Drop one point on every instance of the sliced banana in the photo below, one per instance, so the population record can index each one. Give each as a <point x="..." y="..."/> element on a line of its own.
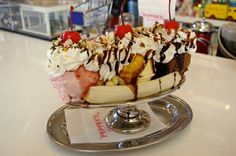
<point x="110" y="94"/>
<point x="147" y="73"/>
<point x="158" y="85"/>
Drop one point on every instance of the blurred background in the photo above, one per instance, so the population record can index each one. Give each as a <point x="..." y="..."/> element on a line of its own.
<point x="212" y="20"/>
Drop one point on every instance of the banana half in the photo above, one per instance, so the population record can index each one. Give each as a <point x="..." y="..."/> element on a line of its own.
<point x="121" y="93"/>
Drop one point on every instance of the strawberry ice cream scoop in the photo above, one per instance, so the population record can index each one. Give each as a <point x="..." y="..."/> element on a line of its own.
<point x="72" y="86"/>
<point x="86" y="78"/>
<point x="68" y="86"/>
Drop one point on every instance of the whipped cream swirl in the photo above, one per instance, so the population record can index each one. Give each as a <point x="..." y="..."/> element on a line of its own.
<point x="108" y="54"/>
<point x="61" y="58"/>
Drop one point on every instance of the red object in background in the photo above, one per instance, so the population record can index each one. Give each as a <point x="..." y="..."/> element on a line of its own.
<point x="203" y="42"/>
<point x="114" y="20"/>
<point x="203" y="30"/>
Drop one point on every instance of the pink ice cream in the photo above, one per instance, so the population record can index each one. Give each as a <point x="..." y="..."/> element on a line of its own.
<point x="87" y="78"/>
<point x="72" y="86"/>
<point x="68" y="87"/>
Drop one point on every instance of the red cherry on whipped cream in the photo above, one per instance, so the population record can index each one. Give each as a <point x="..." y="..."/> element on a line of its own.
<point x="172" y="24"/>
<point x="73" y="35"/>
<point x="121" y="30"/>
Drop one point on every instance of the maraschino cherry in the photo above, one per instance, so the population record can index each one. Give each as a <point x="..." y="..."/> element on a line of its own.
<point x="171" y="24"/>
<point x="123" y="29"/>
<point x="73" y="35"/>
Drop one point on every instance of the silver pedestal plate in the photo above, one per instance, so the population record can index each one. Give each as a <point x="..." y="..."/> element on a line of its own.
<point x="126" y="118"/>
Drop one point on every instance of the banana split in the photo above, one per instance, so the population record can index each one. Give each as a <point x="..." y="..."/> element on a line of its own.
<point x="143" y="62"/>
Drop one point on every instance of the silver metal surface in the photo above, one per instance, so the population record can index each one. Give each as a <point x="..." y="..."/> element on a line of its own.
<point x="203" y="26"/>
<point x="222" y="47"/>
<point x="127" y="119"/>
<point x="172" y="111"/>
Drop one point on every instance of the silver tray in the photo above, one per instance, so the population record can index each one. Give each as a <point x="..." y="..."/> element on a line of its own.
<point x="171" y="110"/>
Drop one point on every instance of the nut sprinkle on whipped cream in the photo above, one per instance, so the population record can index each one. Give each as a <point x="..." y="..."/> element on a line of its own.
<point x="108" y="54"/>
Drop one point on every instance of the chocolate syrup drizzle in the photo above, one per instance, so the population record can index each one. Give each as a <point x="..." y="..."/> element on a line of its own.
<point x="160" y="68"/>
<point x="157" y="37"/>
<point x="174" y="81"/>
<point x="160" y="84"/>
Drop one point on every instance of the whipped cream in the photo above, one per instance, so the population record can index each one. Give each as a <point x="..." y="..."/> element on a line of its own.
<point x="55" y="64"/>
<point x="169" y="53"/>
<point x="107" y="54"/>
<point x="92" y="65"/>
<point x="61" y="59"/>
<point x="106" y="73"/>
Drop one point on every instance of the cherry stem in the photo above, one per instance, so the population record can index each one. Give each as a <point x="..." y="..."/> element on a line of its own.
<point x="121" y="11"/>
<point x="71" y="26"/>
<point x="169" y="10"/>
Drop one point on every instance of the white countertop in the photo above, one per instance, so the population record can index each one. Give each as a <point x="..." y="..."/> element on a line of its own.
<point x="28" y="99"/>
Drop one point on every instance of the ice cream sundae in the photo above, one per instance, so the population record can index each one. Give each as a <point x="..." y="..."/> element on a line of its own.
<point x="114" y="67"/>
<point x="128" y="64"/>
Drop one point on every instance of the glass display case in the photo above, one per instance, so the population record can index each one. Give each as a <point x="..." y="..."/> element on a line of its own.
<point x="43" y="19"/>
<point x="10" y="16"/>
